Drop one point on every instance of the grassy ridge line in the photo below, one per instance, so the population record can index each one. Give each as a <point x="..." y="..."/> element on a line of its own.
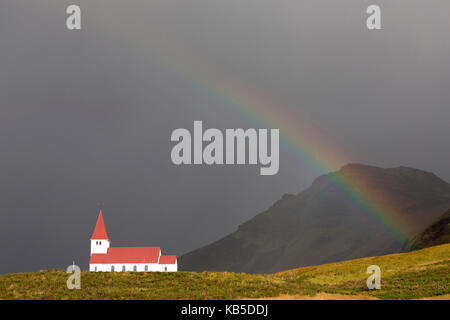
<point x="412" y="275"/>
<point x="418" y="274"/>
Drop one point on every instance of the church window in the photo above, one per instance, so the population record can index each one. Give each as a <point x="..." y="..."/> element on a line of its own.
<point x="165" y="268"/>
<point x="135" y="268"/>
<point x="112" y="268"/>
<point x="123" y="268"/>
<point x="146" y="268"/>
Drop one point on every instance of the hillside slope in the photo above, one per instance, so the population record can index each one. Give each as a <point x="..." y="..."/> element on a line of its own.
<point x="418" y="274"/>
<point x="322" y="224"/>
<point x="437" y="233"/>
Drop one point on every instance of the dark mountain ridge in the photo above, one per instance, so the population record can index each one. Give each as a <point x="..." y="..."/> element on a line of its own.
<point x="324" y="224"/>
<point x="436" y="234"/>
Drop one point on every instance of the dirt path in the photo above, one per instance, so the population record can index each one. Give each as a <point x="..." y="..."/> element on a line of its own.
<point x="322" y="296"/>
<point x="442" y="297"/>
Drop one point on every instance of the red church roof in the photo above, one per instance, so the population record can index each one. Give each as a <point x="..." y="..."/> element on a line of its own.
<point x="127" y="255"/>
<point x="167" y="259"/>
<point x="100" y="230"/>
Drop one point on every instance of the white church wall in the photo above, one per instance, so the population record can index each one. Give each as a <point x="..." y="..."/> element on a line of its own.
<point x="168" y="267"/>
<point x="99" y="246"/>
<point x="151" y="267"/>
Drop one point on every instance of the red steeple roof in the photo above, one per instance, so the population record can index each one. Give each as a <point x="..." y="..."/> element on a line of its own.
<point x="100" y="230"/>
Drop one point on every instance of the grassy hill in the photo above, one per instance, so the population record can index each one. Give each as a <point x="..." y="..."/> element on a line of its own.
<point x="419" y="274"/>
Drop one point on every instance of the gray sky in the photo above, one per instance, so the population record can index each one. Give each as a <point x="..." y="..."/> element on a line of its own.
<point x="86" y="116"/>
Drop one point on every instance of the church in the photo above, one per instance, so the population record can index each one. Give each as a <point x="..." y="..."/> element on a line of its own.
<point x="138" y="259"/>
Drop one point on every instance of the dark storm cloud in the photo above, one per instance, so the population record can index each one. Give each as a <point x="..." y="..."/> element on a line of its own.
<point x="86" y="116"/>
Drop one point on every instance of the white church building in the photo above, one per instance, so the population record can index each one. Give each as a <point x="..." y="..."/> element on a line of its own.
<point x="139" y="259"/>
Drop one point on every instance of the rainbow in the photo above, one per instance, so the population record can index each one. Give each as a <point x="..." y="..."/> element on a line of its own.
<point x="316" y="150"/>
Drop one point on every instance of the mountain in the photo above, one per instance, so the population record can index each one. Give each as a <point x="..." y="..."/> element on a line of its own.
<point x="436" y="234"/>
<point x="324" y="224"/>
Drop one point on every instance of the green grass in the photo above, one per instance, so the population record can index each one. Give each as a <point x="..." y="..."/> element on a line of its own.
<point x="418" y="274"/>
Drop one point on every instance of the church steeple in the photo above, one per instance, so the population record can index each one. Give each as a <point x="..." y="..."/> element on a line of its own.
<point x="100" y="229"/>
<point x="100" y="240"/>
